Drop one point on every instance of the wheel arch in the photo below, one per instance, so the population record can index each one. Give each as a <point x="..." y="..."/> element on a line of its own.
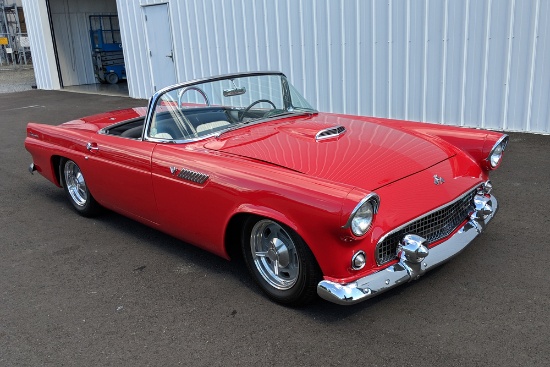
<point x="233" y="231"/>
<point x="56" y="169"/>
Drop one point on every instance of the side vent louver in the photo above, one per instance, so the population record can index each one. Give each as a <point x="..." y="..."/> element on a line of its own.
<point x="331" y="132"/>
<point x="193" y="176"/>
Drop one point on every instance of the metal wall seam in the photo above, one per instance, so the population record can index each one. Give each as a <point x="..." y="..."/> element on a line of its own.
<point x="342" y="65"/>
<point x="426" y="49"/>
<point x="358" y="64"/>
<point x="444" y="67"/>
<point x="541" y="108"/>
<point x="464" y="62"/>
<point x="407" y="58"/>
<point x="534" y="39"/>
<point x="390" y="57"/>
<point x="317" y="54"/>
<point x="508" y="64"/>
<point x="329" y="59"/>
<point x="486" y="62"/>
<point x="199" y="46"/>
<point x="373" y="66"/>
<point x="207" y="43"/>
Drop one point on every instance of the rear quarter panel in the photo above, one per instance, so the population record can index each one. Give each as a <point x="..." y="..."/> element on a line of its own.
<point x="44" y="142"/>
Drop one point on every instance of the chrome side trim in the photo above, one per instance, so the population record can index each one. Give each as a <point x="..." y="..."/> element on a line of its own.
<point x="331" y="132"/>
<point x="405" y="270"/>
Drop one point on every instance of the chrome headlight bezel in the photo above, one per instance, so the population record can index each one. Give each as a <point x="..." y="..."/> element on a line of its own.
<point x="372" y="200"/>
<point x="495" y="155"/>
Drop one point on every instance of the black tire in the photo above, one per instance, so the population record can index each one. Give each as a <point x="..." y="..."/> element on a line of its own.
<point x="295" y="281"/>
<point x="112" y="78"/>
<point x="76" y="190"/>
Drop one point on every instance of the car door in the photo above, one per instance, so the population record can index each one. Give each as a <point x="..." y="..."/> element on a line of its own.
<point x="191" y="203"/>
<point x="119" y="175"/>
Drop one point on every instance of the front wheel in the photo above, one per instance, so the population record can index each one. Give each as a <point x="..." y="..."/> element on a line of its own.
<point x="76" y="190"/>
<point x="280" y="262"/>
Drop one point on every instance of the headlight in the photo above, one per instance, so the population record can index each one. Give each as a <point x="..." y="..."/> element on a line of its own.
<point x="495" y="156"/>
<point x="361" y="217"/>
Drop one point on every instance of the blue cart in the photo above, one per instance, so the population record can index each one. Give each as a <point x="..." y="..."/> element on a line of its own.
<point x="107" y="56"/>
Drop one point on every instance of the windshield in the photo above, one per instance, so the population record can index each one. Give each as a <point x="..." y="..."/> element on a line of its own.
<point x="196" y="110"/>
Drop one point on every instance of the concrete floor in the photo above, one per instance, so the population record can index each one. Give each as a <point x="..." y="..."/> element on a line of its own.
<point x="109" y="291"/>
<point x="21" y="79"/>
<point x="117" y="90"/>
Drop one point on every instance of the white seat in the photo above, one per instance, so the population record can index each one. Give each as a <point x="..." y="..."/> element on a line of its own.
<point x="211" y="125"/>
<point x="162" y="136"/>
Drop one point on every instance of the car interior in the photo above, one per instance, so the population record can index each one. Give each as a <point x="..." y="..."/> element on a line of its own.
<point x="182" y="124"/>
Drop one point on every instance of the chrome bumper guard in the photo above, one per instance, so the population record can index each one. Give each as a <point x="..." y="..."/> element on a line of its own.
<point x="414" y="259"/>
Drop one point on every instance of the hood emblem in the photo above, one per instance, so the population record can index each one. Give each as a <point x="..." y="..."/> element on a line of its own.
<point x="173" y="170"/>
<point x="438" y="180"/>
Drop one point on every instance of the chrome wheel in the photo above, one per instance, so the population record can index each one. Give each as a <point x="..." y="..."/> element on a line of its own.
<point x="274" y="254"/>
<point x="75" y="184"/>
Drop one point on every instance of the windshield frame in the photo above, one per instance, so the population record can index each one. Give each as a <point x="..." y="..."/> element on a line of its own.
<point x="155" y="98"/>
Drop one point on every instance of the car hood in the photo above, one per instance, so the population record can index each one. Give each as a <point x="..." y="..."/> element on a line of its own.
<point x="368" y="154"/>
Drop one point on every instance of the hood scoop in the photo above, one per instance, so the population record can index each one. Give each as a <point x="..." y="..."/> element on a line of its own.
<point x="331" y="132"/>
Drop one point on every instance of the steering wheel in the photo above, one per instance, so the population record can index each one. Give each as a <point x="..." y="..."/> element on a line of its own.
<point x="243" y="112"/>
<point x="185" y="90"/>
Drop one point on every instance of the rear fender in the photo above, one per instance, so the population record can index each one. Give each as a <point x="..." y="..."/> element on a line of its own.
<point x="45" y="163"/>
<point x="48" y="144"/>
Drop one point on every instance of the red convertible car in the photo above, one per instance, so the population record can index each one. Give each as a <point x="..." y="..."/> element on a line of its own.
<point x="341" y="206"/>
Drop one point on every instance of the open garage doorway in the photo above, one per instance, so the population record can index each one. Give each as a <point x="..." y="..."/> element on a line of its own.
<point x="82" y="30"/>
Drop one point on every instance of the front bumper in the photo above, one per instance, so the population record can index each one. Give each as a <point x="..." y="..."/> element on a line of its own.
<point x="407" y="268"/>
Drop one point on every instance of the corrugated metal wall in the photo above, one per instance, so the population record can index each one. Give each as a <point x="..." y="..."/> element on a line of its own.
<point x="38" y="28"/>
<point x="478" y="63"/>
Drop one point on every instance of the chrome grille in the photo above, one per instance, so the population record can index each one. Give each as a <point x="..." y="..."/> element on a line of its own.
<point x="433" y="227"/>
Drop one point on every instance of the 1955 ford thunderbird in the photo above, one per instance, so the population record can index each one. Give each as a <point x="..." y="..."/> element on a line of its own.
<point x="341" y="206"/>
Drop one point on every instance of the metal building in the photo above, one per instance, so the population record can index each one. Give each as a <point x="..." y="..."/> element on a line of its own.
<point x="479" y="63"/>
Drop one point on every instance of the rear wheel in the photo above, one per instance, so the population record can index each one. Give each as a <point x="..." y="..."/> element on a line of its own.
<point x="280" y="262"/>
<point x="76" y="190"/>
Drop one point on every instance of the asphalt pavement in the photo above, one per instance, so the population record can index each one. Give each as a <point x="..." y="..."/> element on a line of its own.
<point x="109" y="291"/>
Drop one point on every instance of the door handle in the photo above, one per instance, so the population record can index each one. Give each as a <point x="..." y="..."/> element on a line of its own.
<point x="171" y="56"/>
<point x="92" y="147"/>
